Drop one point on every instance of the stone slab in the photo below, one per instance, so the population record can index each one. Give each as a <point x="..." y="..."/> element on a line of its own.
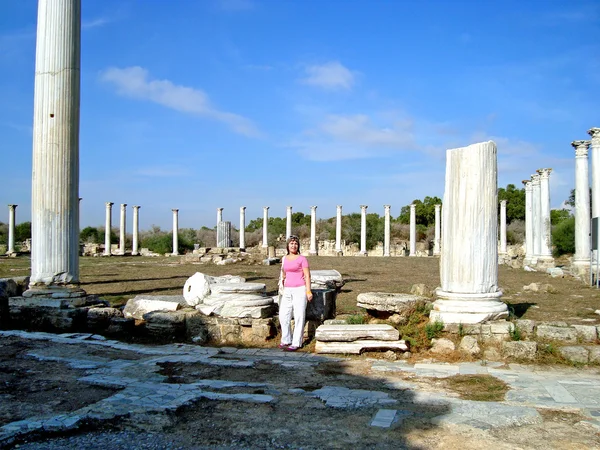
<point x="237" y="288"/>
<point x="143" y="304"/>
<point x="356" y="347"/>
<point x="322" y="306"/>
<point x="326" y="279"/>
<point x="385" y="301"/>
<point x="350" y="333"/>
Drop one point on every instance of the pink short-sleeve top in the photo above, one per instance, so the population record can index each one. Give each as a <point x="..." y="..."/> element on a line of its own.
<point x="294" y="275"/>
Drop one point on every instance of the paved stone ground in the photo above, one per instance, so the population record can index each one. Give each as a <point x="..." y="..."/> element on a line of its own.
<point x="148" y="397"/>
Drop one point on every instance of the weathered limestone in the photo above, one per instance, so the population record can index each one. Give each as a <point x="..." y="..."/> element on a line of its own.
<point x="413" y="231"/>
<point x="545" y="256"/>
<point x="359" y="346"/>
<point x="175" y="232"/>
<point x="326" y="279"/>
<point x="55" y="165"/>
<point x="136" y="231"/>
<point x="122" y="229"/>
<point x="581" y="259"/>
<point x="536" y="206"/>
<point x="219" y="220"/>
<point x="386" y="230"/>
<point x="107" y="228"/>
<point x="288" y="222"/>
<point x="363" y="230"/>
<point x="242" y="227"/>
<point x="197" y="287"/>
<point x="503" y="227"/>
<point x="338" y="230"/>
<point x="224" y="234"/>
<point x="529" y="247"/>
<point x="469" y="261"/>
<point x="349" y="333"/>
<point x="389" y="302"/>
<point x="219" y="215"/>
<point x="313" y="231"/>
<point x="265" y="243"/>
<point x="11" y="230"/>
<point x="436" y="241"/>
<point x="595" y="157"/>
<point x="142" y="304"/>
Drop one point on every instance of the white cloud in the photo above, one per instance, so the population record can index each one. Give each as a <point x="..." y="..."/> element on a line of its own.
<point x="95" y="23"/>
<point x="134" y="82"/>
<point x="331" y="75"/>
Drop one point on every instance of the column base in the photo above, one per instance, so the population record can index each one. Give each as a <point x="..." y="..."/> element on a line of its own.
<point x="312" y="253"/>
<point x="339" y="253"/>
<point x="363" y="253"/>
<point x="468" y="308"/>
<point x="69" y="296"/>
<point x="545" y="262"/>
<point x="135" y="253"/>
<point x="386" y="255"/>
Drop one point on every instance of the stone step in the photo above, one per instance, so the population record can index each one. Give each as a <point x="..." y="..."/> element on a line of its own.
<point x="349" y="333"/>
<point x="357" y="347"/>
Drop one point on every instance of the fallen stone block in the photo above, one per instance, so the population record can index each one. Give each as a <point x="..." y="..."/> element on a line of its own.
<point x="594" y="352"/>
<point x="469" y="345"/>
<point x="322" y="307"/>
<point x="350" y="333"/>
<point x="587" y="333"/>
<point x="356" y="347"/>
<point x="520" y="349"/>
<point x="575" y="353"/>
<point x="161" y="323"/>
<point x="441" y="346"/>
<point x="382" y="301"/>
<point x="143" y="304"/>
<point x="326" y="279"/>
<point x="99" y="318"/>
<point x="566" y="334"/>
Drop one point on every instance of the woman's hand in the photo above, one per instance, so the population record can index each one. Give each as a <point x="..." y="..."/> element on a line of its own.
<point x="309" y="295"/>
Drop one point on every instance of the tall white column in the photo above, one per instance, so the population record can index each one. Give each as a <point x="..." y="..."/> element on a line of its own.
<point x="338" y="230"/>
<point x="242" y="227"/>
<point x="107" y="228"/>
<point x="545" y="225"/>
<point x="363" y="230"/>
<point x="175" y="232"/>
<point x="436" y="239"/>
<point x="413" y="230"/>
<point x="386" y="230"/>
<point x="136" y="231"/>
<point x="55" y="163"/>
<point x="503" y="227"/>
<point x="265" y="227"/>
<point x="529" y="246"/>
<point x="288" y="222"/>
<point x="313" y="231"/>
<point x="582" y="204"/>
<point x="536" y="206"/>
<point x="469" y="261"/>
<point x="11" y="229"/>
<point x="122" y="229"/>
<point x="219" y="238"/>
<point x="219" y="215"/>
<point x="595" y="157"/>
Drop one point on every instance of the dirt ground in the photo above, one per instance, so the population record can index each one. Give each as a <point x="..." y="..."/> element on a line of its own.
<point x="120" y="278"/>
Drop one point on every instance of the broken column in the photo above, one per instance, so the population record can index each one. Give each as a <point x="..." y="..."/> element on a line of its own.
<point x="107" y="228"/>
<point x="219" y="220"/>
<point x="11" y="230"/>
<point x="581" y="260"/>
<point x="363" y="230"/>
<point x="413" y="231"/>
<point x="175" y="232"/>
<point x="55" y="164"/>
<point x="136" y="231"/>
<point x="469" y="261"/>
<point x="122" y="229"/>
<point x="224" y="233"/>
<point x="313" y="231"/>
<point x="386" y="230"/>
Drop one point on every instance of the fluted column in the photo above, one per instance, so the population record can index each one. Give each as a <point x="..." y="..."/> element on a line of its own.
<point x="175" y="232"/>
<point x="595" y="157"/>
<point x="219" y="238"/>
<point x="242" y="227"/>
<point x="436" y="239"/>
<point x="122" y="229"/>
<point x="107" y="228"/>
<point x="536" y="206"/>
<point x="55" y="163"/>
<point x="503" y="227"/>
<point x="582" y="204"/>
<point x="469" y="261"/>
<point x="338" y="230"/>
<point x="386" y="230"/>
<point x="136" y="231"/>
<point x="265" y="243"/>
<point x="413" y="230"/>
<point x="529" y="247"/>
<point x="313" y="231"/>
<point x="363" y="230"/>
<point x="288" y="222"/>
<point x="545" y="225"/>
<point x="219" y="215"/>
<point x="11" y="229"/>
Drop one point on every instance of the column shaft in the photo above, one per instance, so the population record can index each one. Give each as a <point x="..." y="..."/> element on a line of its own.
<point x="175" y="232"/>
<point x="582" y="203"/>
<point x="123" y="228"/>
<point x="265" y="243"/>
<point x="546" y="228"/>
<point x="338" y="229"/>
<point x="386" y="230"/>
<point x="363" y="230"/>
<point x="313" y="230"/>
<point x="503" y="227"/>
<point x="11" y="229"/>
<point x="288" y="222"/>
<point x="595" y="146"/>
<point x="436" y="240"/>
<point x="413" y="230"/>
<point x="136" y="231"/>
<point x="107" y="228"/>
<point x="243" y="227"/>
<point x="529" y="247"/>
<point x="536" y="207"/>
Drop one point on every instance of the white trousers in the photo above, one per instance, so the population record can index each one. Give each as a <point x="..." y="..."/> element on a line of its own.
<point x="292" y="301"/>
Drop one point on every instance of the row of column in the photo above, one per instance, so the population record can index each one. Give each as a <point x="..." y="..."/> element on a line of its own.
<point x="538" y="232"/>
<point x="338" y="229"/>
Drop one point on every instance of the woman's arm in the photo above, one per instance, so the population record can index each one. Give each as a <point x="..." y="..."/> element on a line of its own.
<point x="306" y="271"/>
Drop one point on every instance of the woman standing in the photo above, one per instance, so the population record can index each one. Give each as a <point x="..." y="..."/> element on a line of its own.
<point x="296" y="291"/>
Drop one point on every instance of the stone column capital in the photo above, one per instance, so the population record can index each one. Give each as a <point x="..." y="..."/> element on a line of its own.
<point x="175" y="210"/>
<point x="242" y="208"/>
<point x="123" y="205"/>
<point x="266" y="208"/>
<point x="313" y="208"/>
<point x="503" y="203"/>
<point x="136" y="207"/>
<point x="544" y="173"/>
<point x="220" y="209"/>
<point x="581" y="148"/>
<point x="363" y="207"/>
<point x="595" y="134"/>
<point x="339" y="207"/>
<point x="535" y="179"/>
<point x="387" y="207"/>
<point x="412" y="206"/>
<point x="12" y="207"/>
<point x="109" y="204"/>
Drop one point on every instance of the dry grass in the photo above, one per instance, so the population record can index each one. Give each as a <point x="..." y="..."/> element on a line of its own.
<point x="121" y="278"/>
<point x="480" y="388"/>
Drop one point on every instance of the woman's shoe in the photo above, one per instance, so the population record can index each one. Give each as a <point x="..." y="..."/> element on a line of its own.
<point x="291" y="348"/>
<point x="284" y="346"/>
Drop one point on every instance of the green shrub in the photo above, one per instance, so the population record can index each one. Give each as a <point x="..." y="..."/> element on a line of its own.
<point x="90" y="235"/>
<point x="433" y="330"/>
<point x="515" y="334"/>
<point x="163" y="243"/>
<point x="563" y="237"/>
<point x="356" y="319"/>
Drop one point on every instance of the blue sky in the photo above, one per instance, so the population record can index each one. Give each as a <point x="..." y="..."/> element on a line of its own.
<point x="226" y="103"/>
